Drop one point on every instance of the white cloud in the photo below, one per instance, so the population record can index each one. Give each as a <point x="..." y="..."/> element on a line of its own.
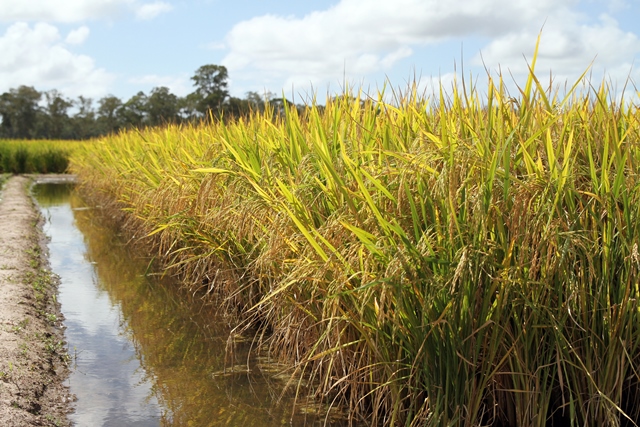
<point x="365" y="36"/>
<point x="77" y="36"/>
<point x="151" y="10"/>
<point x="617" y="5"/>
<point x="178" y="85"/>
<point x="393" y="57"/>
<point x="567" y="48"/>
<point x="59" y="10"/>
<point x="35" y="56"/>
<point x="68" y="11"/>
<point x="214" y="46"/>
<point x="358" y="38"/>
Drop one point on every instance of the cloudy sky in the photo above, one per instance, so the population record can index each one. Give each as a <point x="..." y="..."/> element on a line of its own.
<point x="99" y="47"/>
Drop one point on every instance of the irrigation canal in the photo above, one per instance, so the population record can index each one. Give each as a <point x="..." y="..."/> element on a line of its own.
<point x="142" y="353"/>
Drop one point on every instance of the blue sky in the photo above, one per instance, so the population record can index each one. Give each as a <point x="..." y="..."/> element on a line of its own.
<point x="119" y="47"/>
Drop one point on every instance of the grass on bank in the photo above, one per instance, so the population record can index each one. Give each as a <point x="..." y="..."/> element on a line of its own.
<point x="35" y="156"/>
<point x="461" y="260"/>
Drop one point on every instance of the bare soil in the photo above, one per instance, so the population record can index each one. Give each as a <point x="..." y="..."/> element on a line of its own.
<point x="33" y="359"/>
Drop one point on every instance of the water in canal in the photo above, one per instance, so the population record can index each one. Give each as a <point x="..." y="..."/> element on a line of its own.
<point x="143" y="353"/>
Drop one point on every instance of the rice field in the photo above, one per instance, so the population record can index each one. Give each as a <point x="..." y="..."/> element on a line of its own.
<point x="466" y="258"/>
<point x="35" y="156"/>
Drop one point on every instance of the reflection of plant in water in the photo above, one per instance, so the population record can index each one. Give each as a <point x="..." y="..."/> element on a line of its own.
<point x="52" y="194"/>
<point x="182" y="343"/>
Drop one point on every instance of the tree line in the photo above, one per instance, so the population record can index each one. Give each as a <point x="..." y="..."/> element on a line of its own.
<point x="27" y="113"/>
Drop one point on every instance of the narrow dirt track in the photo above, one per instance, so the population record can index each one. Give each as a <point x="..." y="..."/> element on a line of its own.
<point x="32" y="356"/>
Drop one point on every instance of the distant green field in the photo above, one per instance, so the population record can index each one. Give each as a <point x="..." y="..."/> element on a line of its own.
<point x="39" y="156"/>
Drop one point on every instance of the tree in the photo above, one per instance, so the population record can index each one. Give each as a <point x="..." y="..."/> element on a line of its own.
<point x="109" y="117"/>
<point x="236" y="107"/>
<point x="134" y="111"/>
<point x="256" y="101"/>
<point x="24" y="114"/>
<point x="57" y="120"/>
<point x="211" y="88"/>
<point x="188" y="107"/>
<point x="19" y="109"/>
<point x="84" y="121"/>
<point x="162" y="107"/>
<point x="280" y="105"/>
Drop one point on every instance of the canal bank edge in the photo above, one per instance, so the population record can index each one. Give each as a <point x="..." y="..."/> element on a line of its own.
<point x="33" y="358"/>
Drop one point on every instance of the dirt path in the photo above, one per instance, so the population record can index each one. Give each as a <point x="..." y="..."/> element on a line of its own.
<point x="32" y="356"/>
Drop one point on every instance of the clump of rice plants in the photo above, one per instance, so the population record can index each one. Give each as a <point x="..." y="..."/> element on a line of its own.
<point x="464" y="259"/>
<point x="35" y="156"/>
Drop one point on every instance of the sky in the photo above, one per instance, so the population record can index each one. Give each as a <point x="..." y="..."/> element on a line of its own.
<point x="300" y="49"/>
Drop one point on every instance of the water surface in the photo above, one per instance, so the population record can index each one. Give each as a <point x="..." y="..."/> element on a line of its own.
<point x="144" y="353"/>
<point x="106" y="376"/>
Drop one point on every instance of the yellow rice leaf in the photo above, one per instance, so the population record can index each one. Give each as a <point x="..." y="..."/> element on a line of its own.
<point x="159" y="229"/>
<point x="214" y="170"/>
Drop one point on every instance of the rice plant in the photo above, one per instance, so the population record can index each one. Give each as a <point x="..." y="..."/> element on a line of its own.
<point x="459" y="259"/>
<point x="35" y="156"/>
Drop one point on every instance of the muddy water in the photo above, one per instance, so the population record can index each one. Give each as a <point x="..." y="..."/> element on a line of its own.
<point x="144" y="354"/>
